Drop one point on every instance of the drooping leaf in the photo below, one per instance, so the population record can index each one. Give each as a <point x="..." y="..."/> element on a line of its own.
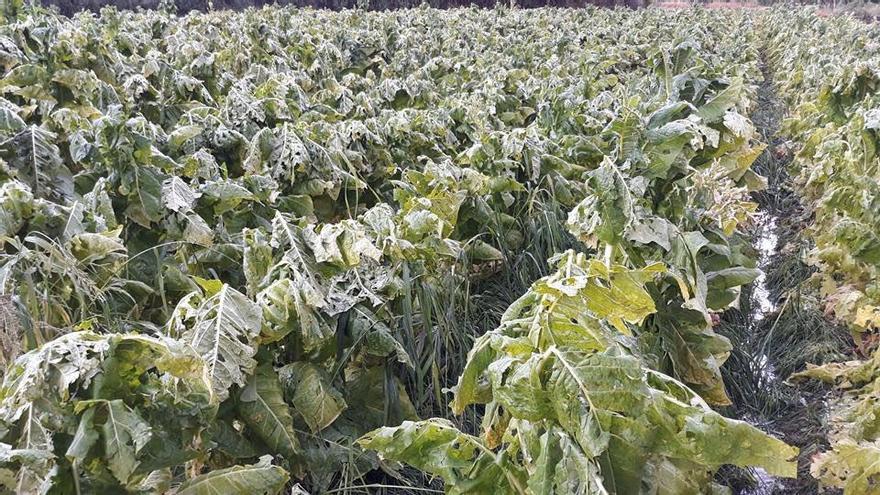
<point x="224" y="195"/>
<point x="341" y="243"/>
<point x="376" y="398"/>
<point x="143" y="188"/>
<point x="726" y="99"/>
<point x="35" y="157"/>
<point x="261" y="406"/>
<point x="223" y="327"/>
<point x="850" y="465"/>
<point x="437" y="447"/>
<point x="118" y="392"/>
<point x="16" y="206"/>
<point x="289" y="306"/>
<point x="376" y="337"/>
<point x="312" y="394"/>
<point x="10" y="120"/>
<point x="32" y="462"/>
<point x="177" y="195"/>
<point x="261" y="478"/>
<point x="123" y="431"/>
<point x="230" y="441"/>
<point x="619" y="421"/>
<point x="608" y="212"/>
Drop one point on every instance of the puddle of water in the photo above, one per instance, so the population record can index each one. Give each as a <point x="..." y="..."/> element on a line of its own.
<point x="761" y="303"/>
<point x="767" y="370"/>
<point x="766" y="244"/>
<point x="765" y="483"/>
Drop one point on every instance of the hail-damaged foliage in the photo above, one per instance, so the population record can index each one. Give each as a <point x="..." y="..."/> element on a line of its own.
<point x="233" y="235"/>
<point x="834" y="129"/>
<point x="570" y="407"/>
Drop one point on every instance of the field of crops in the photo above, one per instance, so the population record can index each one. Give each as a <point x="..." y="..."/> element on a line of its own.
<point x="421" y="251"/>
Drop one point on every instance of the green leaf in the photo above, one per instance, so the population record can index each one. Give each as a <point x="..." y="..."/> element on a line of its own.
<point x="261" y="478"/>
<point x="143" y="188"/>
<point x="123" y="431"/>
<point x="849" y="465"/>
<point x="261" y="406"/>
<point x="177" y="195"/>
<point x="312" y="394"/>
<point x="726" y="99"/>
<point x="35" y="157"/>
<point x="436" y="446"/>
<point x="223" y="328"/>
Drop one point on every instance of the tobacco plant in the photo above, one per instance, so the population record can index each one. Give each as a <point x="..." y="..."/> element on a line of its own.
<point x="233" y="243"/>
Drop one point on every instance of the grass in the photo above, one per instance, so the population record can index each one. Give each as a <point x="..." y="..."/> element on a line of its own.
<point x="442" y="319"/>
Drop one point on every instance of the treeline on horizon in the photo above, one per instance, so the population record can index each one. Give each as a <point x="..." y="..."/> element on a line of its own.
<point x="69" y="7"/>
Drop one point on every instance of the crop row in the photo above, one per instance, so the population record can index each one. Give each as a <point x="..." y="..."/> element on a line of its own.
<point x="829" y="73"/>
